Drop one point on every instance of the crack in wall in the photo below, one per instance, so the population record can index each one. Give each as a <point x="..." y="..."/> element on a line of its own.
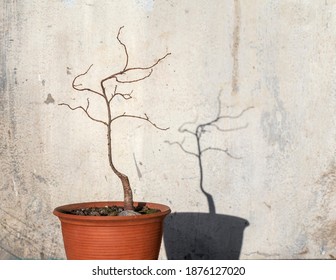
<point x="324" y="233"/>
<point x="235" y="48"/>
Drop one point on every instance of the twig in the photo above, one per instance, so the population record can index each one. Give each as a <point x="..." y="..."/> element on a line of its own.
<point x="133" y="81"/>
<point x="126" y="96"/>
<point x="125" y="48"/>
<point x="75" y="86"/>
<point x="124" y="71"/>
<point x="83" y="109"/>
<point x="145" y="118"/>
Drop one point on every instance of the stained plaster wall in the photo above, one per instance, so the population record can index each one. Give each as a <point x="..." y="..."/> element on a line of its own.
<point x="275" y="163"/>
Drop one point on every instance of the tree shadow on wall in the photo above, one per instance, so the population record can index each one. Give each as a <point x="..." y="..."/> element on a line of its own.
<point x="204" y="236"/>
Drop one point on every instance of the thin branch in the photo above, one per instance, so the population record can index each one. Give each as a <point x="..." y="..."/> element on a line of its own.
<point x="75" y="86"/>
<point x="134" y="81"/>
<point x="112" y="95"/>
<point x="125" y="48"/>
<point x="145" y="118"/>
<point x="87" y="105"/>
<point x="85" y="111"/>
<point x="114" y="76"/>
<point x="126" y="96"/>
<point x="83" y="74"/>
<point x="148" y="67"/>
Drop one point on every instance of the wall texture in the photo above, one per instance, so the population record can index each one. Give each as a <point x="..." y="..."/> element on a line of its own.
<point x="268" y="167"/>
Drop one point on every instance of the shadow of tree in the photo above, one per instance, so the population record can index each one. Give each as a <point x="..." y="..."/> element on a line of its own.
<point x="204" y="235"/>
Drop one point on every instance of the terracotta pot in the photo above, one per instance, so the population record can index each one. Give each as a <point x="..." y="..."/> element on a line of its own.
<point x="111" y="238"/>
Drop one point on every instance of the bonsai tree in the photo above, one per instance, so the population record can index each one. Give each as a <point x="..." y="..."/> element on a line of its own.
<point x="116" y="78"/>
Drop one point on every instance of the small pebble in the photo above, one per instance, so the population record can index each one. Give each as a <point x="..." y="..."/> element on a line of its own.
<point x="128" y="213"/>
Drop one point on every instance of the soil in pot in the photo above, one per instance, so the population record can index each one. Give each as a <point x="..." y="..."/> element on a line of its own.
<point x="112" y="211"/>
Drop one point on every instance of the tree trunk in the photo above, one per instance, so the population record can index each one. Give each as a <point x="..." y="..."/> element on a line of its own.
<point x="128" y="195"/>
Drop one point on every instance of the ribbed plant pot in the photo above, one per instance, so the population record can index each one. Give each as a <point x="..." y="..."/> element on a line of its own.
<point x="111" y="238"/>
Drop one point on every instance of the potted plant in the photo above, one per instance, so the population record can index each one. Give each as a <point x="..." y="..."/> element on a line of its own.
<point x="113" y="229"/>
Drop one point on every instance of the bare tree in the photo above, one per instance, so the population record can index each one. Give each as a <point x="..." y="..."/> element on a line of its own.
<point x="108" y="98"/>
<point x="198" y="133"/>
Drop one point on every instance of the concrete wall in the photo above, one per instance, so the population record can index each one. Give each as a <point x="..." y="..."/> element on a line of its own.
<point x="273" y="166"/>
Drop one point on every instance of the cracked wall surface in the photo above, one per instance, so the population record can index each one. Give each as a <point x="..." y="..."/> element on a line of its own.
<point x="275" y="56"/>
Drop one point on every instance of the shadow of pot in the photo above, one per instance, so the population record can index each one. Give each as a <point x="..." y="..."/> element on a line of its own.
<point x="206" y="236"/>
<point x="111" y="238"/>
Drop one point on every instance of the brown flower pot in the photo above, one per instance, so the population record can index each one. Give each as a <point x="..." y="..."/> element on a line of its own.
<point x="111" y="238"/>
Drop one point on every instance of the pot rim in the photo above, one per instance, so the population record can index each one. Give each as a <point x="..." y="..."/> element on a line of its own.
<point x="59" y="211"/>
